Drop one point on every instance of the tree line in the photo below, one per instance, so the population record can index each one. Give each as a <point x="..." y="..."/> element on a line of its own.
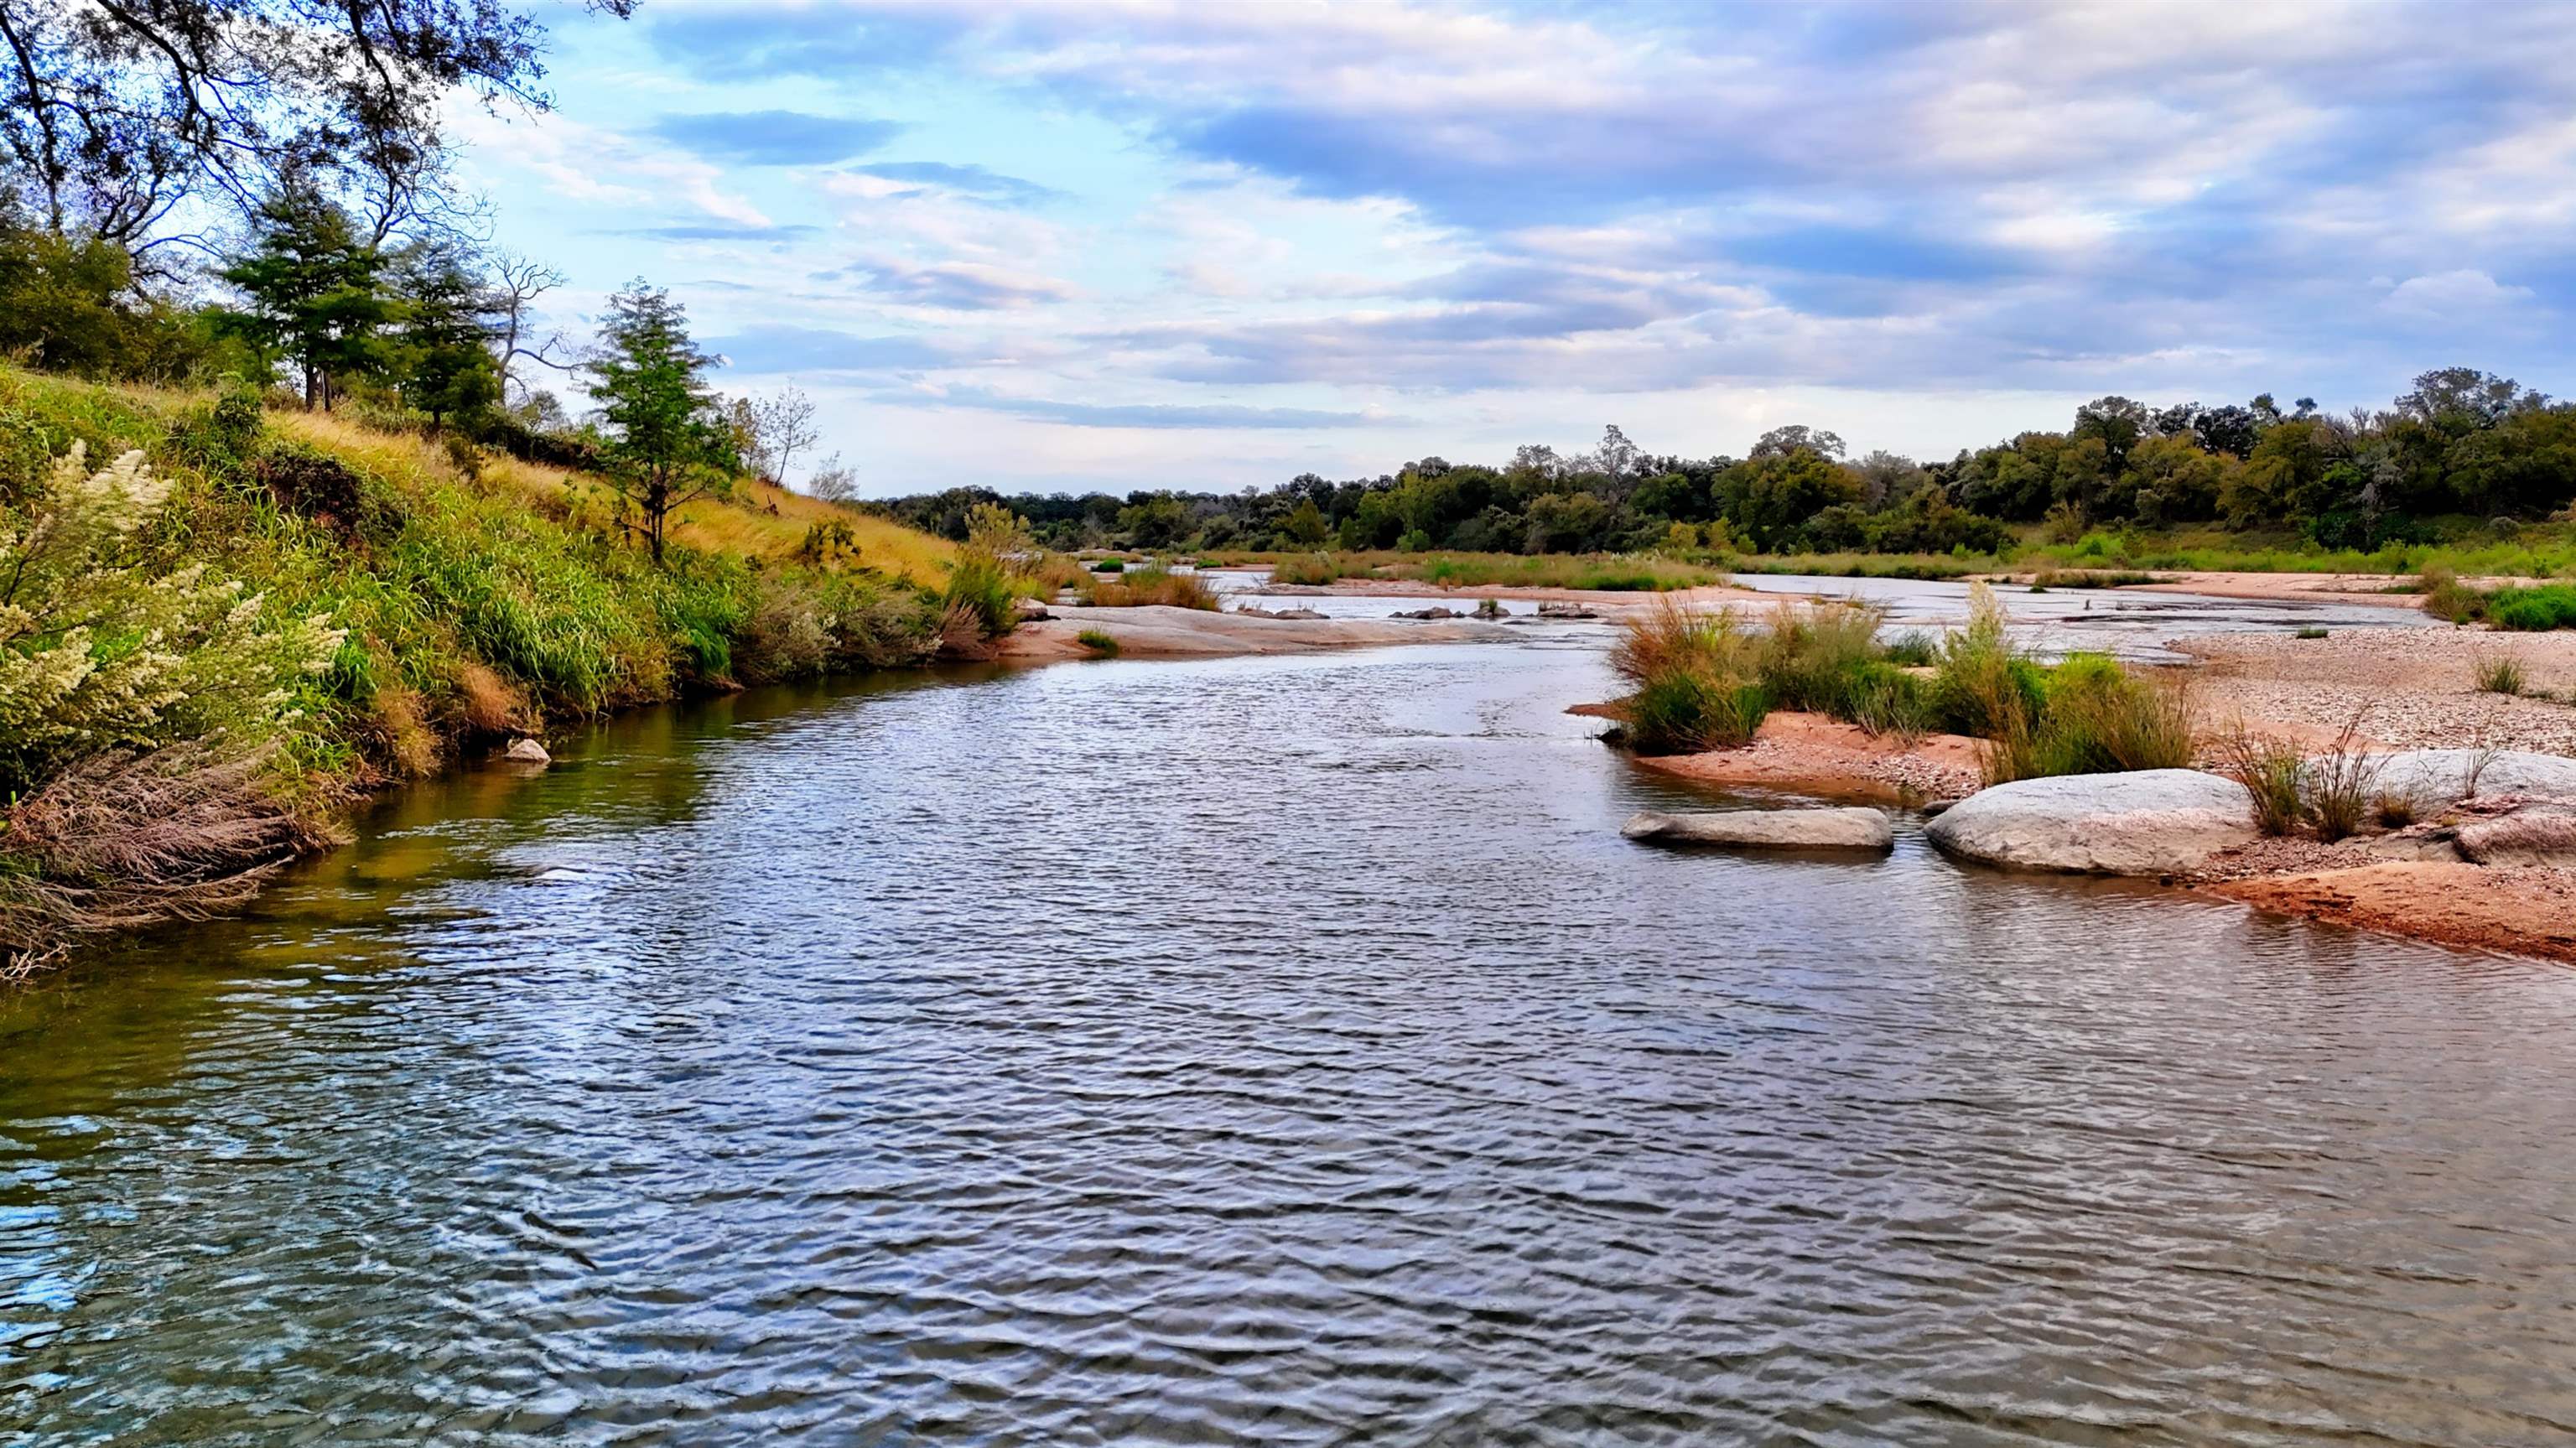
<point x="2462" y="449"/>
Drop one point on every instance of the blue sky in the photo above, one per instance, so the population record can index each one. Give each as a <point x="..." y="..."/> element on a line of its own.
<point x="1113" y="243"/>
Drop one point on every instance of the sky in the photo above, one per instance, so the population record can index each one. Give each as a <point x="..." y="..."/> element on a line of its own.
<point x="1214" y="244"/>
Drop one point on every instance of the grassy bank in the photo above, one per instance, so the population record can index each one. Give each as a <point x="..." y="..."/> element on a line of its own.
<point x="229" y="621"/>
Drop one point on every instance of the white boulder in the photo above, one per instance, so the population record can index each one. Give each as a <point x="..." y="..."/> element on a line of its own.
<point x="2147" y="822"/>
<point x="1775" y="829"/>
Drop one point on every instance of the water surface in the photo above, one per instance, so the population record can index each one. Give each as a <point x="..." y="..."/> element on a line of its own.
<point x="1277" y="1051"/>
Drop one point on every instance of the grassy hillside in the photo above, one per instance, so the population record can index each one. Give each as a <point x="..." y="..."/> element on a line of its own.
<point x="310" y="608"/>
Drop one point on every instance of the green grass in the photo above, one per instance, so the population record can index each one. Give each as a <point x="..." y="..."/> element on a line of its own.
<point x="1098" y="641"/>
<point x="2500" y="674"/>
<point x="2533" y="610"/>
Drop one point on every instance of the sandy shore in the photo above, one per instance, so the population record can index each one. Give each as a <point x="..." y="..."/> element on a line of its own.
<point x="1812" y="754"/>
<point x="1157" y="631"/>
<point x="2413" y="688"/>
<point x="2369" y="588"/>
<point x="2528" y="910"/>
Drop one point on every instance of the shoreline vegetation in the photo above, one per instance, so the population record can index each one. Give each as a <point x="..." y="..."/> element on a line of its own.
<point x="2339" y="823"/>
<point x="226" y="621"/>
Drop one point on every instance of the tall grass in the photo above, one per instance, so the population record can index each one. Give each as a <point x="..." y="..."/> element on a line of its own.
<point x="2271" y="771"/>
<point x="2533" y="610"/>
<point x="1144" y="586"/>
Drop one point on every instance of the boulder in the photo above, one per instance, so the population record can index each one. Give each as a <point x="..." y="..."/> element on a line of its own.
<point x="1254" y="611"/>
<point x="2149" y="822"/>
<point x="1559" y="609"/>
<point x="2540" y="832"/>
<point x="1032" y="611"/>
<point x="1769" y="829"/>
<point x="526" y="751"/>
<point x="1434" y="611"/>
<point x="2435" y="779"/>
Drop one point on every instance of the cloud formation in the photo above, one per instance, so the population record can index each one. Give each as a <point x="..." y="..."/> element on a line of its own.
<point x="1489" y="215"/>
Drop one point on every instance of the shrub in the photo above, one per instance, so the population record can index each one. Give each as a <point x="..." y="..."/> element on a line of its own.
<point x="1982" y="685"/>
<point x="978" y="585"/>
<point x="2445" y="597"/>
<point x="1147" y="586"/>
<point x="2310" y="632"/>
<point x="2341" y="783"/>
<point x="1814" y="655"/>
<point x="1688" y="710"/>
<point x="1109" y="565"/>
<point x="1914" y="648"/>
<point x="2095" y="718"/>
<point x="2271" y="770"/>
<point x="2499" y="674"/>
<point x="2533" y="610"/>
<point x="100" y="650"/>
<point x="1310" y="569"/>
<point x="1098" y="641"/>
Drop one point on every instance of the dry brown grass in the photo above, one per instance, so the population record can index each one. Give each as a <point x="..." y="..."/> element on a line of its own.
<point x="1147" y="586"/>
<point x="403" y="736"/>
<point x="487" y="706"/>
<point x="123" y="841"/>
<point x="761" y="520"/>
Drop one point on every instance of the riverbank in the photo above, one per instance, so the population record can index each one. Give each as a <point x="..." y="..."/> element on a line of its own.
<point x="1705" y="594"/>
<point x="1162" y="631"/>
<point x="2522" y="910"/>
<point x="2409" y="688"/>
<point x="327" y="609"/>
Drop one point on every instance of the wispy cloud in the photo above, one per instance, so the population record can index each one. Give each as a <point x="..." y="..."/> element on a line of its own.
<point x="774" y="138"/>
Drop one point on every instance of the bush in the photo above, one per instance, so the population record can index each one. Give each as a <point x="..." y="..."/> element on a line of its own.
<point x="2094" y="719"/>
<point x="2445" y="597"/>
<point x="2499" y="674"/>
<point x="1147" y="586"/>
<point x="2271" y="770"/>
<point x="1688" y="710"/>
<point x="2532" y="610"/>
<point x="2341" y="784"/>
<point x="1914" y="649"/>
<point x="978" y="586"/>
<point x="104" y="648"/>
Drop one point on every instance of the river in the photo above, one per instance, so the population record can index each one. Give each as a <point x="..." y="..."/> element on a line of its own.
<point x="1276" y="1051"/>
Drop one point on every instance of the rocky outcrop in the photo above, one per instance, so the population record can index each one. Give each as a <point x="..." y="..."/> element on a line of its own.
<point x="2537" y="832"/>
<point x="2435" y="779"/>
<point x="2150" y="822"/>
<point x="526" y="751"/>
<point x="1251" y="611"/>
<point x="1556" y="608"/>
<point x="1773" y="829"/>
<point x="1434" y="611"/>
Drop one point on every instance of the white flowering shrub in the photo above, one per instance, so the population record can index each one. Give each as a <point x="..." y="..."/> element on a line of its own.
<point x="99" y="653"/>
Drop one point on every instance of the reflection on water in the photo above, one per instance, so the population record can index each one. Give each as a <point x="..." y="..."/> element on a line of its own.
<point x="1256" y="1051"/>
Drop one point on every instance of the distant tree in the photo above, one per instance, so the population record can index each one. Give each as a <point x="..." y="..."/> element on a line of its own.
<point x="833" y="481"/>
<point x="313" y="292"/>
<point x="1306" y="526"/>
<point x="2117" y="422"/>
<point x="2231" y="430"/>
<point x="668" y="444"/>
<point x="2466" y="395"/>
<point x="776" y="429"/>
<point x="1781" y="441"/>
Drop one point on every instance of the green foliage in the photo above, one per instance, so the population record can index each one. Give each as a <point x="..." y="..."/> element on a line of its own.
<point x="2533" y="610"/>
<point x="669" y="443"/>
<point x="1913" y="649"/>
<point x="2272" y="771"/>
<point x="314" y="293"/>
<point x="979" y="585"/>
<point x="1098" y="641"/>
<point x="2094" y="718"/>
<point x="1683" y="712"/>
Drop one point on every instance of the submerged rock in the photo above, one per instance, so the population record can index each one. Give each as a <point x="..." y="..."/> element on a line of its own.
<point x="1559" y="609"/>
<point x="1434" y="611"/>
<point x="526" y="751"/>
<point x="2150" y="822"/>
<point x="1777" y="829"/>
<point x="1253" y="611"/>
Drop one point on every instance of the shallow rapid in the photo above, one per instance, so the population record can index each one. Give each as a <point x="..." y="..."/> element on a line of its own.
<point x="1276" y="1051"/>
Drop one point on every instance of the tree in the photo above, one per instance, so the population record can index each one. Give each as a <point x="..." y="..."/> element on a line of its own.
<point x="114" y="114"/>
<point x="1306" y="526"/>
<point x="313" y="292"/>
<point x="668" y="442"/>
<point x="445" y="335"/>
<point x="2466" y="396"/>
<point x="833" y="481"/>
<point x="774" y="430"/>
<point x="1781" y="441"/>
<point x="517" y="283"/>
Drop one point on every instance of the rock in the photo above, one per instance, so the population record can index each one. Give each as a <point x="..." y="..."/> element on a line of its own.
<point x="1566" y="610"/>
<point x="2150" y="822"/>
<point x="1255" y="611"/>
<point x="2435" y="779"/>
<point x="1032" y="611"/>
<point x="526" y="751"/>
<point x="1434" y="611"/>
<point x="2541" y="832"/>
<point x="1775" y="829"/>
